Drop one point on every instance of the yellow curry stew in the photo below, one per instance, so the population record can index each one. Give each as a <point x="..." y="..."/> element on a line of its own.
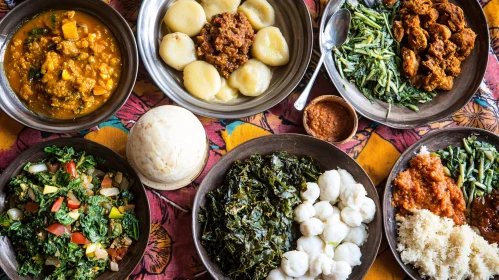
<point x="63" y="64"/>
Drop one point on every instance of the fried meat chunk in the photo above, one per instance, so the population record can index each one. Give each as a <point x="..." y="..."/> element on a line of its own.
<point x="398" y="30"/>
<point x="452" y="66"/>
<point x="446" y="83"/>
<point x="465" y="41"/>
<point x="439" y="31"/>
<point x="410" y="63"/>
<point x="452" y="16"/>
<point x="420" y="7"/>
<point x="417" y="39"/>
<point x="429" y="18"/>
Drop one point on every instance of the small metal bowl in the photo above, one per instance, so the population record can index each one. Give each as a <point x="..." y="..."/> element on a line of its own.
<point x="10" y="103"/>
<point x="339" y="101"/>
<point x="292" y="18"/>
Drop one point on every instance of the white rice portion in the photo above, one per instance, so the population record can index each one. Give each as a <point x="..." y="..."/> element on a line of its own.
<point x="441" y="250"/>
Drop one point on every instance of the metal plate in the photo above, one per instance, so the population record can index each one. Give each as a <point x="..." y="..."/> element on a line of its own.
<point x="437" y="140"/>
<point x="325" y="154"/>
<point x="445" y="103"/>
<point x="292" y="18"/>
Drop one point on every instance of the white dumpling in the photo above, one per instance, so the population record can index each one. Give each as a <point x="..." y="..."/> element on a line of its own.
<point x="305" y="277"/>
<point x="311" y="194"/>
<point x="357" y="235"/>
<point x="226" y="93"/>
<point x="341" y="272"/>
<point x="322" y="264"/>
<point x="251" y="79"/>
<point x="202" y="80"/>
<point x="215" y="7"/>
<point x="353" y="195"/>
<point x="329" y="183"/>
<point x="278" y="274"/>
<point x="323" y="210"/>
<point x="329" y="250"/>
<point x="334" y="231"/>
<point x="259" y="12"/>
<point x="304" y="212"/>
<point x="187" y="17"/>
<point x="349" y="253"/>
<point x="351" y="217"/>
<point x="312" y="245"/>
<point x="368" y="210"/>
<point x="346" y="178"/>
<point x="295" y="263"/>
<point x="270" y="47"/>
<point x="336" y="210"/>
<point x="311" y="227"/>
<point x="177" y="50"/>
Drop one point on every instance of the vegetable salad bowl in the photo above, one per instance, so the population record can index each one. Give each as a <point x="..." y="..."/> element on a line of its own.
<point x="111" y="161"/>
<point x="323" y="153"/>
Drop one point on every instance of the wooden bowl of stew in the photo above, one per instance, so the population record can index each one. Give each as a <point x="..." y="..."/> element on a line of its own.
<point x="66" y="65"/>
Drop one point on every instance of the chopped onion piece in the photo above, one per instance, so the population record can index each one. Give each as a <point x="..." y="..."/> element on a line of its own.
<point x="52" y="261"/>
<point x="114" y="266"/>
<point x="72" y="196"/>
<point x="118" y="177"/>
<point x="99" y="173"/>
<point x="31" y="194"/>
<point x="90" y="171"/>
<point x="15" y="214"/>
<point x="101" y="253"/>
<point x="37" y="168"/>
<point x="110" y="192"/>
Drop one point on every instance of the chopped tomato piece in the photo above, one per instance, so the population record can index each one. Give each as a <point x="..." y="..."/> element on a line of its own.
<point x="117" y="254"/>
<point x="79" y="239"/>
<point x="32" y="207"/>
<point x="58" y="229"/>
<point x="73" y="205"/>
<point x="106" y="182"/>
<point x="57" y="204"/>
<point x="71" y="168"/>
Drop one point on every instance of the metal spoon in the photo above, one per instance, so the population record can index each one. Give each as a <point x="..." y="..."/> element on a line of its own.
<point x="335" y="34"/>
<point x="370" y="3"/>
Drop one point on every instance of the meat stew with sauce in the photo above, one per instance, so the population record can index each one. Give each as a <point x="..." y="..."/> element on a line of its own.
<point x="63" y="64"/>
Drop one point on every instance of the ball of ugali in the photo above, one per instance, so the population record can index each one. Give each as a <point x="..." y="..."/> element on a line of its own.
<point x="167" y="147"/>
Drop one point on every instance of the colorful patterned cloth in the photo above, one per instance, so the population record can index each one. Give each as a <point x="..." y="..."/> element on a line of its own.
<point x="171" y="253"/>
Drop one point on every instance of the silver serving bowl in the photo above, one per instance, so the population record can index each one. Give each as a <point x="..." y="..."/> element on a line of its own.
<point x="446" y="102"/>
<point x="292" y="18"/>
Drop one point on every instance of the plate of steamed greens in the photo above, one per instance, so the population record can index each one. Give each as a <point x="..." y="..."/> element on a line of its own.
<point x="68" y="210"/>
<point x="441" y="206"/>
<point x="410" y="62"/>
<point x="287" y="207"/>
<point x="228" y="58"/>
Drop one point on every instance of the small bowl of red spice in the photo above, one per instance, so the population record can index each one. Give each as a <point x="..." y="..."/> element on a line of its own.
<point x="330" y="118"/>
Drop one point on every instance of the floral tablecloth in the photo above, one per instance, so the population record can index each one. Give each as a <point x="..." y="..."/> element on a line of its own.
<point x="171" y="253"/>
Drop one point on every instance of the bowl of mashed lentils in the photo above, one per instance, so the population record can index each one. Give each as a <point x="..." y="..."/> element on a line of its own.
<point x="67" y="65"/>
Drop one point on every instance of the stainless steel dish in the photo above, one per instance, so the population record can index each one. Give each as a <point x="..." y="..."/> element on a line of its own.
<point x="292" y="18"/>
<point x="445" y="103"/>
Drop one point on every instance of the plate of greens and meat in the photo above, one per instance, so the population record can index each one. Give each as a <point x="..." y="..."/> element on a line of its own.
<point x="71" y="209"/>
<point x="444" y="192"/>
<point x="287" y="206"/>
<point x="407" y="63"/>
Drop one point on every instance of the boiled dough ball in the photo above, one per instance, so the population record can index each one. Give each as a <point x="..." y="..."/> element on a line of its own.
<point x="357" y="235"/>
<point x="305" y="277"/>
<point x="329" y="250"/>
<point x="311" y="227"/>
<point x="177" y="50"/>
<point x="312" y="245"/>
<point x="278" y="274"/>
<point x="312" y="193"/>
<point x="368" y="210"/>
<point x="323" y="210"/>
<point x="346" y="179"/>
<point x="341" y="272"/>
<point x="295" y="263"/>
<point x="187" y="17"/>
<point x="349" y="253"/>
<point x="215" y="7"/>
<point x="353" y="196"/>
<point x="336" y="210"/>
<point x="351" y="217"/>
<point x="329" y="182"/>
<point x="334" y="231"/>
<point x="321" y="265"/>
<point x="304" y="212"/>
<point x="226" y="93"/>
<point x="259" y="12"/>
<point x="251" y="79"/>
<point x="270" y="47"/>
<point x="202" y="80"/>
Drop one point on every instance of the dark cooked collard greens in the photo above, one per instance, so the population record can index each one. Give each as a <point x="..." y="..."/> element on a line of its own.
<point x="248" y="221"/>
